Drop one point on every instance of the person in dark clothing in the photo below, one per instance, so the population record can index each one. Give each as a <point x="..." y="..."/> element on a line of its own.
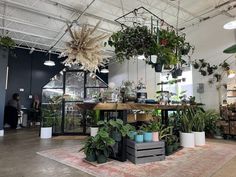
<point x="12" y="110"/>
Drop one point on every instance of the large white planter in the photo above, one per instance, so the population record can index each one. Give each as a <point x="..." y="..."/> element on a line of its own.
<point x="199" y="138"/>
<point x="93" y="131"/>
<point x="187" y="139"/>
<point x="46" y="132"/>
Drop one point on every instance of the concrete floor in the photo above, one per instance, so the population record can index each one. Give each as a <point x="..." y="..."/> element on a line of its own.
<point x="18" y="157"/>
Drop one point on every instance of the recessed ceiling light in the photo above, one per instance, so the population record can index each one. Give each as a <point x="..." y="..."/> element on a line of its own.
<point x="230" y="25"/>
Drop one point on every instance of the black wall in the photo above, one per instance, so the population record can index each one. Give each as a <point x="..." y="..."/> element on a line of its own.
<point x="28" y="72"/>
<point x="3" y="70"/>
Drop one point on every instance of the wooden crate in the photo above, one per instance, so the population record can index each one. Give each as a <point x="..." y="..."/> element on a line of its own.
<point x="139" y="153"/>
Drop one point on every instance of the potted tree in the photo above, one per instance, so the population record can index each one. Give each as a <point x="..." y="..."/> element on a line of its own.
<point x="186" y="134"/>
<point x="198" y="128"/>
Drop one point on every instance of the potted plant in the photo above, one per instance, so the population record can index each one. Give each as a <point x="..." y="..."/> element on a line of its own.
<point x="175" y="142"/>
<point x="139" y="137"/>
<point x="147" y="133"/>
<point x="103" y="146"/>
<point x="169" y="141"/>
<point x="46" y="125"/>
<point x="186" y="122"/>
<point x="94" y="117"/>
<point x="49" y="117"/>
<point x="211" y="118"/>
<point x="89" y="149"/>
<point x="198" y="128"/>
<point x="7" y="42"/>
<point x="155" y="128"/>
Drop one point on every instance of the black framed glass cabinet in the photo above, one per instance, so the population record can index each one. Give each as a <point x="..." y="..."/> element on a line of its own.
<point x="69" y="88"/>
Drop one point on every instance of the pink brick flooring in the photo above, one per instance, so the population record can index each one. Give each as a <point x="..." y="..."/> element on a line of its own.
<point x="195" y="162"/>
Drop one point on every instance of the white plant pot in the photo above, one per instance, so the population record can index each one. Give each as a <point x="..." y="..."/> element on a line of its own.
<point x="199" y="138"/>
<point x="46" y="132"/>
<point x="187" y="139"/>
<point x="93" y="131"/>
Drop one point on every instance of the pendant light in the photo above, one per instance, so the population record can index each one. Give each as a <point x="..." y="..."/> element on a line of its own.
<point x="230" y="25"/>
<point x="104" y="70"/>
<point x="49" y="62"/>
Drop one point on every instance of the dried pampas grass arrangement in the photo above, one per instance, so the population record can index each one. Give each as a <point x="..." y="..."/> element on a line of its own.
<point x="85" y="48"/>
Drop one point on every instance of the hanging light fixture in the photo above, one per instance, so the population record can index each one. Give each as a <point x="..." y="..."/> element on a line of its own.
<point x="231" y="74"/>
<point x="104" y="70"/>
<point x="49" y="62"/>
<point x="230" y="25"/>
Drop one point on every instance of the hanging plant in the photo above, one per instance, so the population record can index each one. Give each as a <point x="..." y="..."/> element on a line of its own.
<point x="203" y="63"/>
<point x="203" y="72"/>
<point x="85" y="48"/>
<point x="138" y="40"/>
<point x="131" y="41"/>
<point x="6" y="41"/>
<point x="218" y="77"/>
<point x="225" y="66"/>
<point x="195" y="65"/>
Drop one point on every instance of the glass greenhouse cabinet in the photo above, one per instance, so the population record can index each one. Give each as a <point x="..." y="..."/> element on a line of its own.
<point x="64" y="92"/>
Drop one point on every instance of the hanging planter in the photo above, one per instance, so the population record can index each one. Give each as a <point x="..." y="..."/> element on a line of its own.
<point x="85" y="48"/>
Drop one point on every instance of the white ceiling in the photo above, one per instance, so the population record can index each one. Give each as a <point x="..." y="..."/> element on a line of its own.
<point x="40" y="23"/>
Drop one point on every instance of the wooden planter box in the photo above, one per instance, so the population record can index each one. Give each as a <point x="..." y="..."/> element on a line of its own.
<point x="139" y="153"/>
<point x="144" y="117"/>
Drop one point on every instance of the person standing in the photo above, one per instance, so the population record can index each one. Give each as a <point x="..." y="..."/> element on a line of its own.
<point x="12" y="110"/>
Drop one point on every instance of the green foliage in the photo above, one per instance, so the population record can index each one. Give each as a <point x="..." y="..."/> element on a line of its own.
<point x="100" y="144"/>
<point x="139" y="40"/>
<point x="165" y="131"/>
<point x="186" y="120"/>
<point x="7" y="42"/>
<point x="211" y="117"/>
<point x="154" y="126"/>
<point x="116" y="128"/>
<point x="199" y="121"/>
<point x="51" y="112"/>
<point x="94" y="116"/>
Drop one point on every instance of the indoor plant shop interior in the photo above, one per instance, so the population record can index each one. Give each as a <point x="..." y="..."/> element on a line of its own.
<point x="118" y="88"/>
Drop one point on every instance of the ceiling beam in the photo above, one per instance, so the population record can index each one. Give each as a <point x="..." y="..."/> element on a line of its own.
<point x="33" y="10"/>
<point x="26" y="33"/>
<point x="72" y="9"/>
<point x="15" y="20"/>
<point x="180" y="8"/>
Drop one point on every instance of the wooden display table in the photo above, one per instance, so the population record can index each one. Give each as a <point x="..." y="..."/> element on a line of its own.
<point x="108" y="110"/>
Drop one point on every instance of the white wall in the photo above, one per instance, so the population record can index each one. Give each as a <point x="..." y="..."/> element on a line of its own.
<point x="128" y="71"/>
<point x="210" y="39"/>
